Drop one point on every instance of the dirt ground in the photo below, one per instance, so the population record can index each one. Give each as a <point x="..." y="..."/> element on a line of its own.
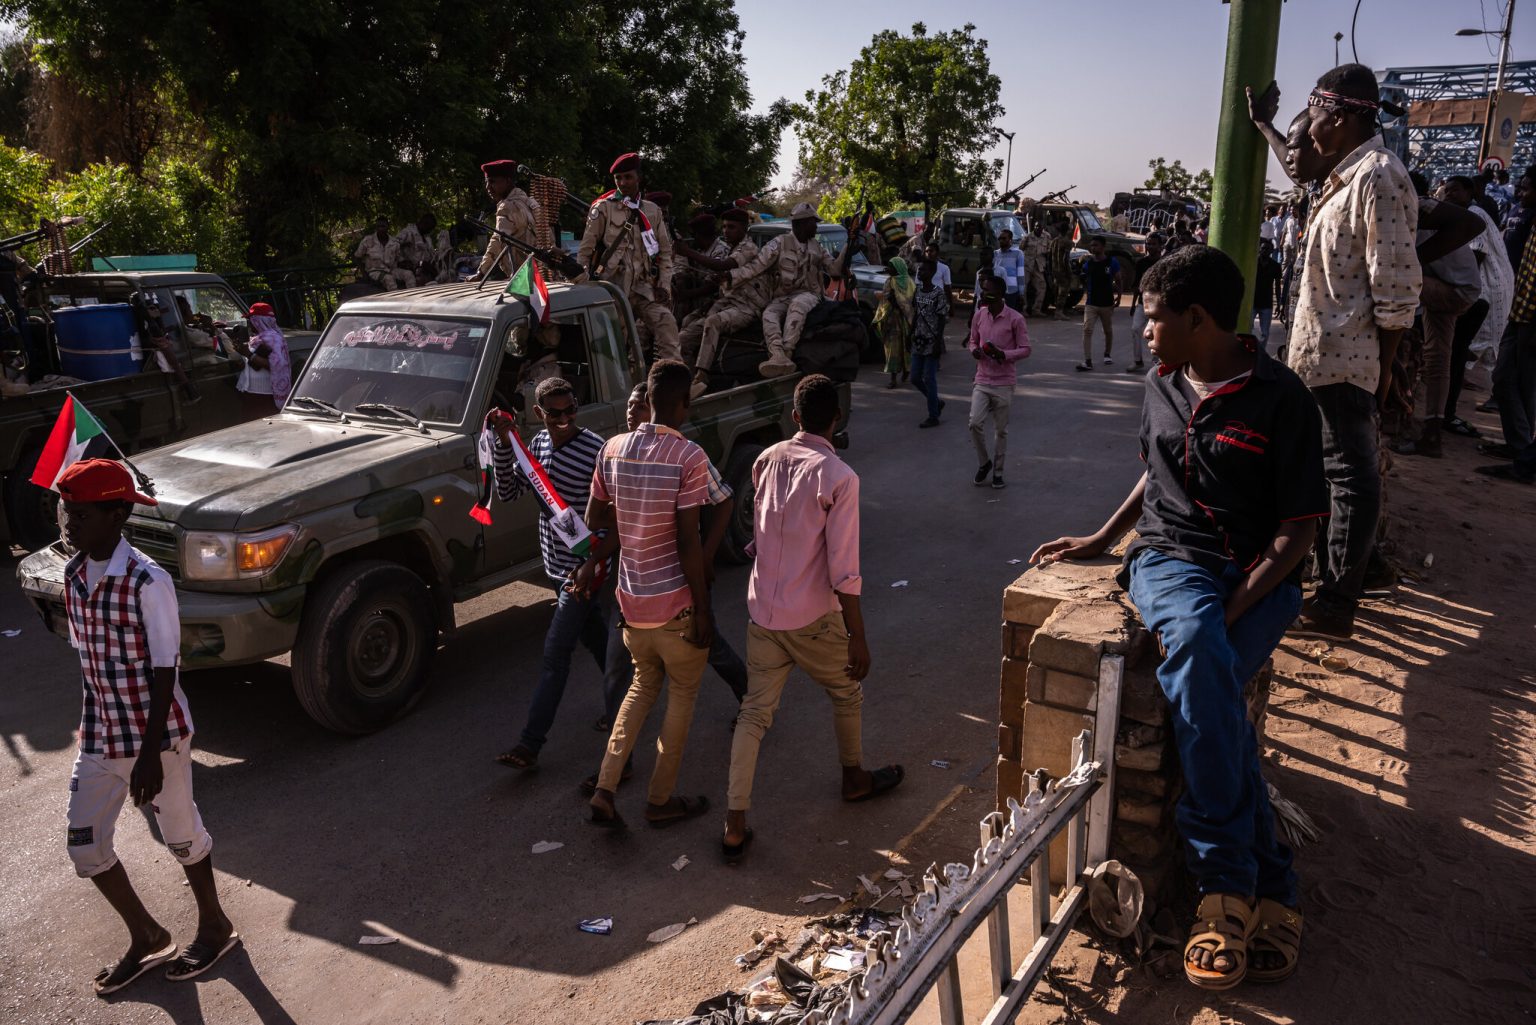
<point x="1418" y="763"/>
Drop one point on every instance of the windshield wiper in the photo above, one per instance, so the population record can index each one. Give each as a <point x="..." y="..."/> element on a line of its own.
<point x="400" y="412"/>
<point x="320" y="404"/>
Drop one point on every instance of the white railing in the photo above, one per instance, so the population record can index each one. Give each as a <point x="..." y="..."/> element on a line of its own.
<point x="922" y="952"/>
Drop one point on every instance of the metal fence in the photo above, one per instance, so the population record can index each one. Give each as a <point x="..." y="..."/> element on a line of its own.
<point x="302" y="297"/>
<point x="904" y="966"/>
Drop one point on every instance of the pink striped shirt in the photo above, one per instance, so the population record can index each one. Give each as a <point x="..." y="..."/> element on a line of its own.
<point x="648" y="475"/>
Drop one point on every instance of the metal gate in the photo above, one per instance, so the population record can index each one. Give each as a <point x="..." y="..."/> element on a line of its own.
<point x="922" y="953"/>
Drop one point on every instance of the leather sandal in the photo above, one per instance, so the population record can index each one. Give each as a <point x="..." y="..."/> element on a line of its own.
<point x="1224" y="923"/>
<point x="1277" y="929"/>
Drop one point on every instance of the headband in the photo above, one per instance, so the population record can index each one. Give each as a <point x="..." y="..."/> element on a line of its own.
<point x="1338" y="101"/>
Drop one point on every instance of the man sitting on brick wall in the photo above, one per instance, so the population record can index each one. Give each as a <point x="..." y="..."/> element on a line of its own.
<point x="1225" y="513"/>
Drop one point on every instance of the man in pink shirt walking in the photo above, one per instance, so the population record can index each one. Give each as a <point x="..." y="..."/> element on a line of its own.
<point x="998" y="340"/>
<point x="803" y="598"/>
<point x="651" y="484"/>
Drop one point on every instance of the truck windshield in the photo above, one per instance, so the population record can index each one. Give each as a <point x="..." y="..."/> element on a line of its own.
<point x="1006" y="222"/>
<point x="421" y="364"/>
<point x="1089" y="221"/>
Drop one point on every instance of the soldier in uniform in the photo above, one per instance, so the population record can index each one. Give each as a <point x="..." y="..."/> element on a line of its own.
<point x="416" y="250"/>
<point x="378" y="256"/>
<point x="1035" y="257"/>
<point x="798" y="262"/>
<point x="626" y="243"/>
<point x="735" y="309"/>
<point x="516" y="214"/>
<point x="1060" y="251"/>
<point x="693" y="279"/>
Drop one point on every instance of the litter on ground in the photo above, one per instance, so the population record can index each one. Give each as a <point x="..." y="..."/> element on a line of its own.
<point x="680" y="863"/>
<point x="596" y="926"/>
<point x="545" y="846"/>
<point x="377" y="941"/>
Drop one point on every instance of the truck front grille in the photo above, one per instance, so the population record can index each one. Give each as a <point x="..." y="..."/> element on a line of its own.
<point x="157" y="542"/>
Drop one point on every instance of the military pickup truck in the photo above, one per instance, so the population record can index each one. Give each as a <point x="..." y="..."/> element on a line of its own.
<point x="968" y="236"/>
<point x="139" y="411"/>
<point x="339" y="529"/>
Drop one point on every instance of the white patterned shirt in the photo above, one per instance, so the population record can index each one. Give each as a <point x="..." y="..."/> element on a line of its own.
<point x="1361" y="274"/>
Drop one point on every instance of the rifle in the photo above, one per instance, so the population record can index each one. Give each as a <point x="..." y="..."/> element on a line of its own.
<point x="1052" y="197"/>
<point x="1013" y="194"/>
<point x="561" y="261"/>
<point x="40" y="232"/>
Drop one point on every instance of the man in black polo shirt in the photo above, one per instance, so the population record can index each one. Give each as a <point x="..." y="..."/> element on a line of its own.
<point x="1224" y="514"/>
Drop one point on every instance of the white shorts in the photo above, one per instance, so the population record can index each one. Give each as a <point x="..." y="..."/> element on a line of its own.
<point x="98" y="787"/>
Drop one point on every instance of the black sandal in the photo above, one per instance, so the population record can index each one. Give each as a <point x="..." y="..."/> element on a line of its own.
<point x="692" y="808"/>
<point x="734" y="852"/>
<point x="881" y="781"/>
<point x="1456" y="425"/>
<point x="521" y="757"/>
<point x="108" y="980"/>
<point x="198" y="958"/>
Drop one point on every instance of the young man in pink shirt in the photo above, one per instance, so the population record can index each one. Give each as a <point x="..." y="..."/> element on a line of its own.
<point x="651" y="484"/>
<point x="803" y="598"/>
<point x="998" y="340"/>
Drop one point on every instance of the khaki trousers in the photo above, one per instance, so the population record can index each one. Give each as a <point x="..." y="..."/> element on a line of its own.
<point x="821" y="649"/>
<point x="660" y="654"/>
<point x="784" y="319"/>
<point x="700" y="336"/>
<point x="1097" y="314"/>
<point x="1442" y="305"/>
<point x="989" y="402"/>
<point x="658" y="318"/>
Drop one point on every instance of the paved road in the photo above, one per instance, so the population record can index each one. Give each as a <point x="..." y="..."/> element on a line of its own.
<point x="415" y="833"/>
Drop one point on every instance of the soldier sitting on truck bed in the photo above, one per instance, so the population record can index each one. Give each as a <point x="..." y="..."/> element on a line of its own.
<point x="732" y="311"/>
<point x="798" y="261"/>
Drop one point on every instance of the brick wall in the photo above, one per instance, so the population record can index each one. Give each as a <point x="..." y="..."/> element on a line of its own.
<point x="1059" y="620"/>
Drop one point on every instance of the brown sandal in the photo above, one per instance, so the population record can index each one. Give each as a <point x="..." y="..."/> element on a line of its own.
<point x="1224" y="923"/>
<point x="1277" y="928"/>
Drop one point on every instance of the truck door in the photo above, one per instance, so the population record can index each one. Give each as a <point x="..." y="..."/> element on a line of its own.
<point x="961" y="245"/>
<point x="565" y="351"/>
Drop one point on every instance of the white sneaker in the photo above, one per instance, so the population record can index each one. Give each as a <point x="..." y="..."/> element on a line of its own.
<point x="778" y="366"/>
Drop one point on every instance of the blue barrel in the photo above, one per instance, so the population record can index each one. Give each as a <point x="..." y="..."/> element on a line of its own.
<point x="97" y="342"/>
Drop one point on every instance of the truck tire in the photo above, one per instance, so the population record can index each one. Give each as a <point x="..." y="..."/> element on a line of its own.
<point x="738" y="474"/>
<point x="31" y="511"/>
<point x="364" y="647"/>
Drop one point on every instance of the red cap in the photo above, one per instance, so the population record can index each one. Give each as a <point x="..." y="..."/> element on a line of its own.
<point x="500" y="168"/>
<point x="260" y="310"/>
<point x="628" y="162"/>
<point x="99" y="480"/>
<point x="745" y="201"/>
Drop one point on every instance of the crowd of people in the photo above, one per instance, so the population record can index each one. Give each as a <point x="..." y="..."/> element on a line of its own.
<point x="1253" y="463"/>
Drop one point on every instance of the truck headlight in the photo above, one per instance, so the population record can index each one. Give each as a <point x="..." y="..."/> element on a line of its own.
<point x="220" y="555"/>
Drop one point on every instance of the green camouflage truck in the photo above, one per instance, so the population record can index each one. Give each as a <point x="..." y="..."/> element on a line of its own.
<point x="339" y="529"/>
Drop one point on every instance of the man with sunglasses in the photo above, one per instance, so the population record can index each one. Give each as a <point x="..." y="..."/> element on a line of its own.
<point x="568" y="454"/>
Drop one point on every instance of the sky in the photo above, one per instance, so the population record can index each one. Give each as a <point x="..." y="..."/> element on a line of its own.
<point x="1094" y="89"/>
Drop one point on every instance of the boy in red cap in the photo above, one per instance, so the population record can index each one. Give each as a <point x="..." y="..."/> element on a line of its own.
<point x="135" y="730"/>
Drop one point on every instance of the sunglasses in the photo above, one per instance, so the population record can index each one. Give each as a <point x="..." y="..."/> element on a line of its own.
<point x="551" y="413"/>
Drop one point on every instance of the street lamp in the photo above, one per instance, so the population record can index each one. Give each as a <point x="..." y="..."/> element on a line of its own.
<point x="1008" y="170"/>
<point x="1338" y="37"/>
<point x="1498" y="83"/>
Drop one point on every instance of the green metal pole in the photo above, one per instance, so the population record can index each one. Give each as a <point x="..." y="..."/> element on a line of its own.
<point x="1237" y="189"/>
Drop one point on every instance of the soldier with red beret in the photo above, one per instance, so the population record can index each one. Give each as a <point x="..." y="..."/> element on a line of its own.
<point x="516" y="214"/>
<point x="627" y="242"/>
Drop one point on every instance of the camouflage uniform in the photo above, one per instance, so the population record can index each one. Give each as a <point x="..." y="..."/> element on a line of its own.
<point x="687" y="275"/>
<point x="627" y="265"/>
<point x="734" y="310"/>
<point x="515" y="215"/>
<point x="796" y="290"/>
<point x="1060" y="249"/>
<point x="1035" y="259"/>
<point x="414" y="250"/>
<point x="381" y="262"/>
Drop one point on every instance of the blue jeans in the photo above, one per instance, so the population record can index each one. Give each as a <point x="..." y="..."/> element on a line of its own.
<point x="1224" y="814"/>
<point x="1265" y="315"/>
<point x="577" y="620"/>
<point x="925" y="378"/>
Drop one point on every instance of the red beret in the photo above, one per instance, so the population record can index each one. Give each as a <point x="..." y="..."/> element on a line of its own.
<point x="703" y="220"/>
<point x="659" y="198"/>
<point x="628" y="162"/>
<point x="746" y="201"/>
<point x="500" y="168"/>
<point x="737" y="214"/>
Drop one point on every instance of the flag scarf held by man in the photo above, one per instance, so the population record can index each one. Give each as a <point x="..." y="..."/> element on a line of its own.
<point x="528" y="284"/>
<point x="480" y="512"/>
<point x="563" y="520"/>
<point x="76" y="435"/>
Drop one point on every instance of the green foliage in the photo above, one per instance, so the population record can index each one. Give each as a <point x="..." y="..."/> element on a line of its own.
<point x="1175" y="178"/>
<point x="912" y="112"/>
<point x="332" y="113"/>
<point x="23" y="185"/>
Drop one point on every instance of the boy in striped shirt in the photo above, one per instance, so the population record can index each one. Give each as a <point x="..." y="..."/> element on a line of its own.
<point x="650" y="485"/>
<point x="568" y="454"/>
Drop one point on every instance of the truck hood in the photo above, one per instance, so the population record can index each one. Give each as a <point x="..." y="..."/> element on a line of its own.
<point x="268" y="471"/>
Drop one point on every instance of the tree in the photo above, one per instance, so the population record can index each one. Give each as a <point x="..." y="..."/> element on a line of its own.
<point x="1175" y="178"/>
<point x="328" y="115"/>
<point x="912" y="113"/>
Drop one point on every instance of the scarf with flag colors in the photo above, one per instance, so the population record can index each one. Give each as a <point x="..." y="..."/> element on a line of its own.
<point x="528" y="284"/>
<point x="647" y="233"/>
<point x="563" y="520"/>
<point x="76" y="435"/>
<point x="480" y="512"/>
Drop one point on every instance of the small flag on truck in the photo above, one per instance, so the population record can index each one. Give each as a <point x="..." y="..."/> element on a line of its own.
<point x="528" y="284"/>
